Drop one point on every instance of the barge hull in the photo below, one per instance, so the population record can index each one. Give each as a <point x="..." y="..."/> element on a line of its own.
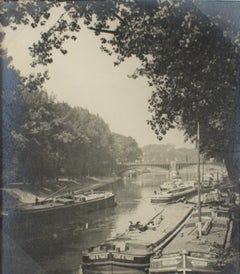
<point x="171" y="198"/>
<point x="62" y="210"/>
<point x="185" y="264"/>
<point x="112" y="268"/>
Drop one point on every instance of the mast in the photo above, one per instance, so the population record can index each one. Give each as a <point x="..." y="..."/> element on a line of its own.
<point x="203" y="162"/>
<point x="186" y="167"/>
<point x="199" y="182"/>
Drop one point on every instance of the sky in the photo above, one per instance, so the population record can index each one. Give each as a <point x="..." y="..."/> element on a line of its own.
<point x="86" y="77"/>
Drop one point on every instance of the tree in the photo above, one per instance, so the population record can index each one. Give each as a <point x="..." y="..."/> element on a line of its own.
<point x="11" y="105"/>
<point x="162" y="153"/>
<point x="23" y="126"/>
<point x="126" y="149"/>
<point x="91" y="150"/>
<point x="36" y="154"/>
<point x="41" y="137"/>
<point x="190" y="62"/>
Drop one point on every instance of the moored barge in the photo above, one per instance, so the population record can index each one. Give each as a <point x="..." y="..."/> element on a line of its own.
<point x="64" y="204"/>
<point x="173" y="193"/>
<point x="190" y="252"/>
<point x="130" y="253"/>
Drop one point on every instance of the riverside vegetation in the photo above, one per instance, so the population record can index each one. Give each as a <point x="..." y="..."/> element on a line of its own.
<point x="44" y="139"/>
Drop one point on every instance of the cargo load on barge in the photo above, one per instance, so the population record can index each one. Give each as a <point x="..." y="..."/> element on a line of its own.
<point x="131" y="252"/>
<point x="190" y="252"/>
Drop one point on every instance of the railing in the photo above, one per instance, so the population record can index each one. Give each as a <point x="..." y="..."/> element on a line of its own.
<point x="163" y="165"/>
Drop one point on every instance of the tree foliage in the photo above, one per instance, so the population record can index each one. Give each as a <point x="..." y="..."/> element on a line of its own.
<point x="45" y="139"/>
<point x="168" y="153"/>
<point x="190" y="59"/>
<point x="10" y="97"/>
<point x="126" y="149"/>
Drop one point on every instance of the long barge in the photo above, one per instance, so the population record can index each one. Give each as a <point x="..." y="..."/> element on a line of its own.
<point x="64" y="204"/>
<point x="173" y="193"/>
<point x="130" y="253"/>
<point x="190" y="252"/>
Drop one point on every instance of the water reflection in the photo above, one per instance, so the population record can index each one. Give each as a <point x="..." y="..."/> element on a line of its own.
<point x="57" y="245"/>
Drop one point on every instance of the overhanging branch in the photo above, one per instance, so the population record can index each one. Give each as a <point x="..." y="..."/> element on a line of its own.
<point x="103" y="30"/>
<point x="118" y="17"/>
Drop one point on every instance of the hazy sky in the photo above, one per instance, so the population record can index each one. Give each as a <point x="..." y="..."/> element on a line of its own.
<point x="86" y="77"/>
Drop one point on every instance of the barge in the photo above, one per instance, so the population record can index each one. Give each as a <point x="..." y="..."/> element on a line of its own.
<point x="190" y="252"/>
<point x="130" y="253"/>
<point x="64" y="204"/>
<point x="173" y="193"/>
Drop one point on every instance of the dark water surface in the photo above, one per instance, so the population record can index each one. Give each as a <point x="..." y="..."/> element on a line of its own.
<point x="56" y="245"/>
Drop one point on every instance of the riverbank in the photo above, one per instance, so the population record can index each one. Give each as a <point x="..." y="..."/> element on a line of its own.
<point x="27" y="193"/>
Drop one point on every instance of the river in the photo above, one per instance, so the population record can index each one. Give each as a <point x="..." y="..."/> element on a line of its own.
<point x="56" y="246"/>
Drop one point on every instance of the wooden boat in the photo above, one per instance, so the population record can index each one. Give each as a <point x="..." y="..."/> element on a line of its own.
<point x="131" y="252"/>
<point x="173" y="193"/>
<point x="64" y="204"/>
<point x="190" y="252"/>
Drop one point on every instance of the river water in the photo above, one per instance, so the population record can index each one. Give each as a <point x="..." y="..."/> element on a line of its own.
<point x="56" y="246"/>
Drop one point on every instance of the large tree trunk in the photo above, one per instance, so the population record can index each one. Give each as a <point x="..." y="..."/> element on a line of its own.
<point x="232" y="158"/>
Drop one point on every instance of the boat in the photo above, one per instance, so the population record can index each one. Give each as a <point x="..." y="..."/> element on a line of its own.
<point x="174" y="192"/>
<point x="130" y="252"/>
<point x="190" y="252"/>
<point x="170" y="184"/>
<point x="215" y="197"/>
<point x="64" y="204"/>
<point x="201" y="245"/>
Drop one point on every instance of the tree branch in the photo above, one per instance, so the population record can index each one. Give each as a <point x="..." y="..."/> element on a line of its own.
<point x="103" y="30"/>
<point x="118" y="17"/>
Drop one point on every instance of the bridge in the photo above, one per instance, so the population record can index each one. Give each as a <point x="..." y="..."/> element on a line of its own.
<point x="167" y="166"/>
